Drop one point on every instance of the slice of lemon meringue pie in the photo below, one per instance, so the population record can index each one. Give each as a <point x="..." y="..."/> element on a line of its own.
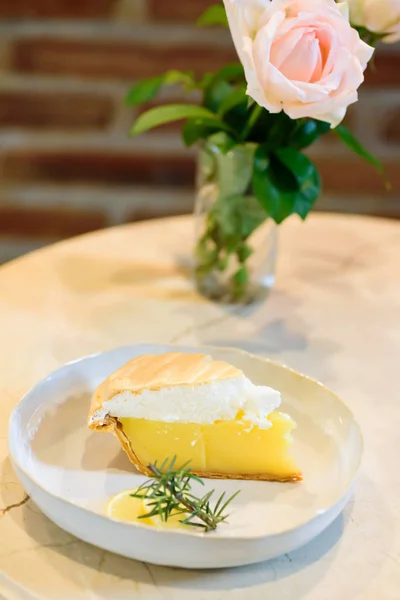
<point x="200" y="410"/>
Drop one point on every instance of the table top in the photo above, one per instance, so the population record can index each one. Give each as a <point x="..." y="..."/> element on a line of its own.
<point x="334" y="314"/>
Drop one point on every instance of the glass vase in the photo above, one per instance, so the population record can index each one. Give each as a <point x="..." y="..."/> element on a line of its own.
<point x="236" y="242"/>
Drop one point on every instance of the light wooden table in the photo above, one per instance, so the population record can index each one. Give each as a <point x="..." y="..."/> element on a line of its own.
<point x="334" y="314"/>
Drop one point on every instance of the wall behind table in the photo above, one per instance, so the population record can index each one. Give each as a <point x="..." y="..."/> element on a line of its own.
<point x="67" y="164"/>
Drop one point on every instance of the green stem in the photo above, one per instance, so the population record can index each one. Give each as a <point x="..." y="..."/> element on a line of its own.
<point x="252" y="121"/>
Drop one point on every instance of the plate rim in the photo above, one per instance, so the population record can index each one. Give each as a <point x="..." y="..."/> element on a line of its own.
<point x="179" y="532"/>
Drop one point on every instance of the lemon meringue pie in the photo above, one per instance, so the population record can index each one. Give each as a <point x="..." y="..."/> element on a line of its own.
<point x="200" y="410"/>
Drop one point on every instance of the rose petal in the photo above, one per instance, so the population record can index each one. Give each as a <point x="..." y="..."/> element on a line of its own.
<point x="300" y="56"/>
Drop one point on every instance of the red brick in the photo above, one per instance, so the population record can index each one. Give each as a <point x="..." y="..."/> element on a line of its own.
<point x="68" y="9"/>
<point x="353" y="175"/>
<point x="390" y="130"/>
<point x="62" y="109"/>
<point x="384" y="70"/>
<point x="343" y="175"/>
<point x="97" y="166"/>
<point x="53" y="222"/>
<point x="187" y="10"/>
<point x="115" y="60"/>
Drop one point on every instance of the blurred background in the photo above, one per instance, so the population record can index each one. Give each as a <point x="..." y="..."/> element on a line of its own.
<point x="67" y="163"/>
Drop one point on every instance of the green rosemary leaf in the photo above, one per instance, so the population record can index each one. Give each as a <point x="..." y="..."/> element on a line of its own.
<point x="163" y="465"/>
<point x="190" y="522"/>
<point x="198" y="479"/>
<point x="219" y="502"/>
<point x="185" y="466"/>
<point x="169" y="493"/>
<point x="172" y="463"/>
<point x="224" y="506"/>
<point x="207" y="497"/>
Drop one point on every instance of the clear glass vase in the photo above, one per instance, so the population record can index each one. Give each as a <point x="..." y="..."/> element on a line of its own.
<point x="236" y="242"/>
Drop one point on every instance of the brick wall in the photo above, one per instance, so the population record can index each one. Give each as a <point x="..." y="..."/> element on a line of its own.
<point x="67" y="165"/>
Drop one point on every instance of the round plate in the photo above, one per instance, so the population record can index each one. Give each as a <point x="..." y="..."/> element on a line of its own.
<point x="71" y="472"/>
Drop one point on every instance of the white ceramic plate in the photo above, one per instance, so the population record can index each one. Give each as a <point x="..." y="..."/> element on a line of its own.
<point x="71" y="472"/>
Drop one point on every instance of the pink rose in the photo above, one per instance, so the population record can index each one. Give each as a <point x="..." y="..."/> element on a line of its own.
<point x="299" y="56"/>
<point x="378" y="16"/>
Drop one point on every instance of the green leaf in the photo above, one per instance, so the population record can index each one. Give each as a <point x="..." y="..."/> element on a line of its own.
<point x="165" y="114"/>
<point x="297" y="163"/>
<point x="233" y="170"/>
<point x="272" y="130"/>
<point x="231" y="72"/>
<point x="237" y="217"/>
<point x="235" y="98"/>
<point x="255" y="114"/>
<point x="241" y="277"/>
<point x="348" y="138"/>
<point x="275" y="203"/>
<point x="146" y="90"/>
<point x="196" y="129"/>
<point x="185" y="77"/>
<point x="213" y="15"/>
<point x="223" y="142"/>
<point x="215" y="94"/>
<point x="221" y="85"/>
<point x="306" y="176"/>
<point x="244" y="251"/>
<point x="306" y="132"/>
<point x="285" y="182"/>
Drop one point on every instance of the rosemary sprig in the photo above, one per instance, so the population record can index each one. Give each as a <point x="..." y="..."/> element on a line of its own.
<point x="169" y="492"/>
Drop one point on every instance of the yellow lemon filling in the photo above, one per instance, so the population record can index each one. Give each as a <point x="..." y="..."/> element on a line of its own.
<point x="225" y="447"/>
<point x="126" y="508"/>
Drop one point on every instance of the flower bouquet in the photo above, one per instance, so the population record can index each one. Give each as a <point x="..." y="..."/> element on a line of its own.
<point x="301" y="64"/>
